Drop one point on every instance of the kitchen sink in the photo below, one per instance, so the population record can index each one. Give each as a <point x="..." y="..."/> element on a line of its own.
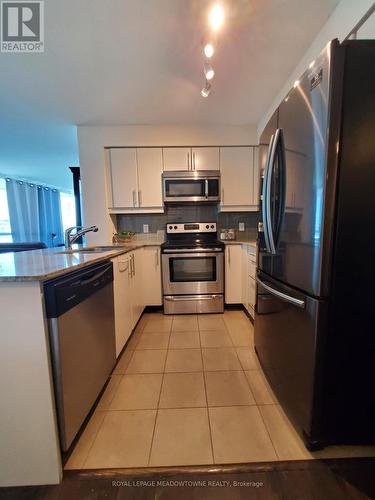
<point x="97" y="249"/>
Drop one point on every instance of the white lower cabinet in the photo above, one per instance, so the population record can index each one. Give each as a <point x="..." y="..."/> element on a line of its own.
<point x="122" y="300"/>
<point x="248" y="277"/>
<point x="128" y="294"/>
<point x="137" y="283"/>
<point x="233" y="274"/>
<point x="152" y="276"/>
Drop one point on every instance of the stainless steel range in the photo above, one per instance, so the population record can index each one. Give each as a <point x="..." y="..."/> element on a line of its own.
<point x="193" y="269"/>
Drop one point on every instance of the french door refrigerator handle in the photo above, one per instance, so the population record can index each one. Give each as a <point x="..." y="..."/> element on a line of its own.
<point x="264" y="196"/>
<point x="282" y="187"/>
<point x="268" y="190"/>
<point x="281" y="295"/>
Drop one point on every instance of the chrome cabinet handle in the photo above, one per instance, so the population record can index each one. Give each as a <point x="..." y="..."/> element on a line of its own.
<point x="134" y="271"/>
<point x="228" y="254"/>
<point x="122" y="268"/>
<point x="131" y="266"/>
<point x="222" y="196"/>
<point x="193" y="167"/>
<point x="134" y="198"/>
<point x="281" y="295"/>
<point x="206" y="188"/>
<point x="156" y="258"/>
<point x="139" y="197"/>
<point x="188" y="161"/>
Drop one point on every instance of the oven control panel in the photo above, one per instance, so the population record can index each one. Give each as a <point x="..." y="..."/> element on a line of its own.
<point x="191" y="227"/>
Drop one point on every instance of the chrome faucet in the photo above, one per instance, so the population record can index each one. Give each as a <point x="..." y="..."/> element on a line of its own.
<point x="80" y="231"/>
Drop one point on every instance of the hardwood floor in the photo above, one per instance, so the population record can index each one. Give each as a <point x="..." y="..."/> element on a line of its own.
<point x="341" y="479"/>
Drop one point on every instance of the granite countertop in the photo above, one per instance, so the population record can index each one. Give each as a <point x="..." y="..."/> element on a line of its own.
<point x="41" y="265"/>
<point x="252" y="243"/>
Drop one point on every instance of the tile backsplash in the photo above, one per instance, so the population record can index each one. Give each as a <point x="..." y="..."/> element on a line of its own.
<point x="191" y="213"/>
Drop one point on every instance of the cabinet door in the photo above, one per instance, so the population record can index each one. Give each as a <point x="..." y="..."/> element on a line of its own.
<point x="138" y="290"/>
<point x="237" y="174"/>
<point x="123" y="177"/>
<point x="150" y="167"/>
<point x="244" y="272"/>
<point x="205" y="158"/>
<point x="151" y="276"/>
<point x="256" y="176"/>
<point x="122" y="301"/>
<point x="176" y="159"/>
<point x="233" y="274"/>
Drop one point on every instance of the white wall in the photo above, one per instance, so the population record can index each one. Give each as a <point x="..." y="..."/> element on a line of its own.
<point x="92" y="140"/>
<point x="343" y="19"/>
<point x="29" y="445"/>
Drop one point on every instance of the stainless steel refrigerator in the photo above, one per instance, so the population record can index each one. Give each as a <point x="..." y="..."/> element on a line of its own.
<point x="315" y="313"/>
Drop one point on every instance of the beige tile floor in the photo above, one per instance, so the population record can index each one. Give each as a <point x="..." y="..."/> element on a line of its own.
<point x="188" y="390"/>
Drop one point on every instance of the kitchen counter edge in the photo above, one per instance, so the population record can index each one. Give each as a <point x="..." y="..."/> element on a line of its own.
<point x="86" y="260"/>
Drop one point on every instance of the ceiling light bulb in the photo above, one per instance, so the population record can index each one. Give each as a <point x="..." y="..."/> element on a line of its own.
<point x="216" y="17"/>
<point x="209" y="72"/>
<point x="205" y="92"/>
<point x="209" y="50"/>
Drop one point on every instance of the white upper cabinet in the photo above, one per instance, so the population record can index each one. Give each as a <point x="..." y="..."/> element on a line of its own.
<point x="239" y="179"/>
<point x="123" y="178"/>
<point x="200" y="158"/>
<point x="256" y="177"/>
<point x="134" y="180"/>
<point x="205" y="158"/>
<point x="150" y="167"/>
<point x="176" y="158"/>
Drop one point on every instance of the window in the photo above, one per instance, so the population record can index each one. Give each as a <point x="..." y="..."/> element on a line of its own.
<point x="5" y="231"/>
<point x="68" y="210"/>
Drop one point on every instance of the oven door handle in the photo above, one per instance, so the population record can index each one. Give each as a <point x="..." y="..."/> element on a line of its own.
<point x="184" y="298"/>
<point x="192" y="252"/>
<point x="193" y="255"/>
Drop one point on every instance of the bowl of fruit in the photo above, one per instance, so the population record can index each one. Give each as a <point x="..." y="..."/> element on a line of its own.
<point x="123" y="237"/>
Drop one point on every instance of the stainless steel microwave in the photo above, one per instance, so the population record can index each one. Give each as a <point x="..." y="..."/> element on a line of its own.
<point x="191" y="186"/>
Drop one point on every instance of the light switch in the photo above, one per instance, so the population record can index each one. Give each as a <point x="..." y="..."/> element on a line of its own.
<point x="145" y="228"/>
<point x="241" y="226"/>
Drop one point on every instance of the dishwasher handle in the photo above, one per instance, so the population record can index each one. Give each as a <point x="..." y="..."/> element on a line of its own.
<point x="65" y="292"/>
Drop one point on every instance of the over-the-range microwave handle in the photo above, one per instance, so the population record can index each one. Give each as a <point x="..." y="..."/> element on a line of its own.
<point x="281" y="295"/>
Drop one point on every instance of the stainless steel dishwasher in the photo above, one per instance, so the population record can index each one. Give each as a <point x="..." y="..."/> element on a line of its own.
<point x="80" y="312"/>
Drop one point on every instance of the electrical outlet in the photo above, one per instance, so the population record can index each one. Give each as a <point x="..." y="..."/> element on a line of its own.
<point x="145" y="228"/>
<point x="241" y="226"/>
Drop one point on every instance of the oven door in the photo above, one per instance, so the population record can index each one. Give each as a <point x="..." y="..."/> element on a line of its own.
<point x="193" y="273"/>
<point x="177" y="190"/>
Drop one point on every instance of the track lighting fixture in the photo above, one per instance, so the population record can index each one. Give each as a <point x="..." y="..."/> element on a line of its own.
<point x="209" y="72"/>
<point x="205" y="92"/>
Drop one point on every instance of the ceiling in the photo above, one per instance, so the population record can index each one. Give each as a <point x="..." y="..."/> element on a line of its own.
<point x="120" y="62"/>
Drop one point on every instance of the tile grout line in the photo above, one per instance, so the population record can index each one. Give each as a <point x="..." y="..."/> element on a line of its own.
<point x="268" y="432"/>
<point x="93" y="441"/>
<point x="158" y="403"/>
<point x="205" y="392"/>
